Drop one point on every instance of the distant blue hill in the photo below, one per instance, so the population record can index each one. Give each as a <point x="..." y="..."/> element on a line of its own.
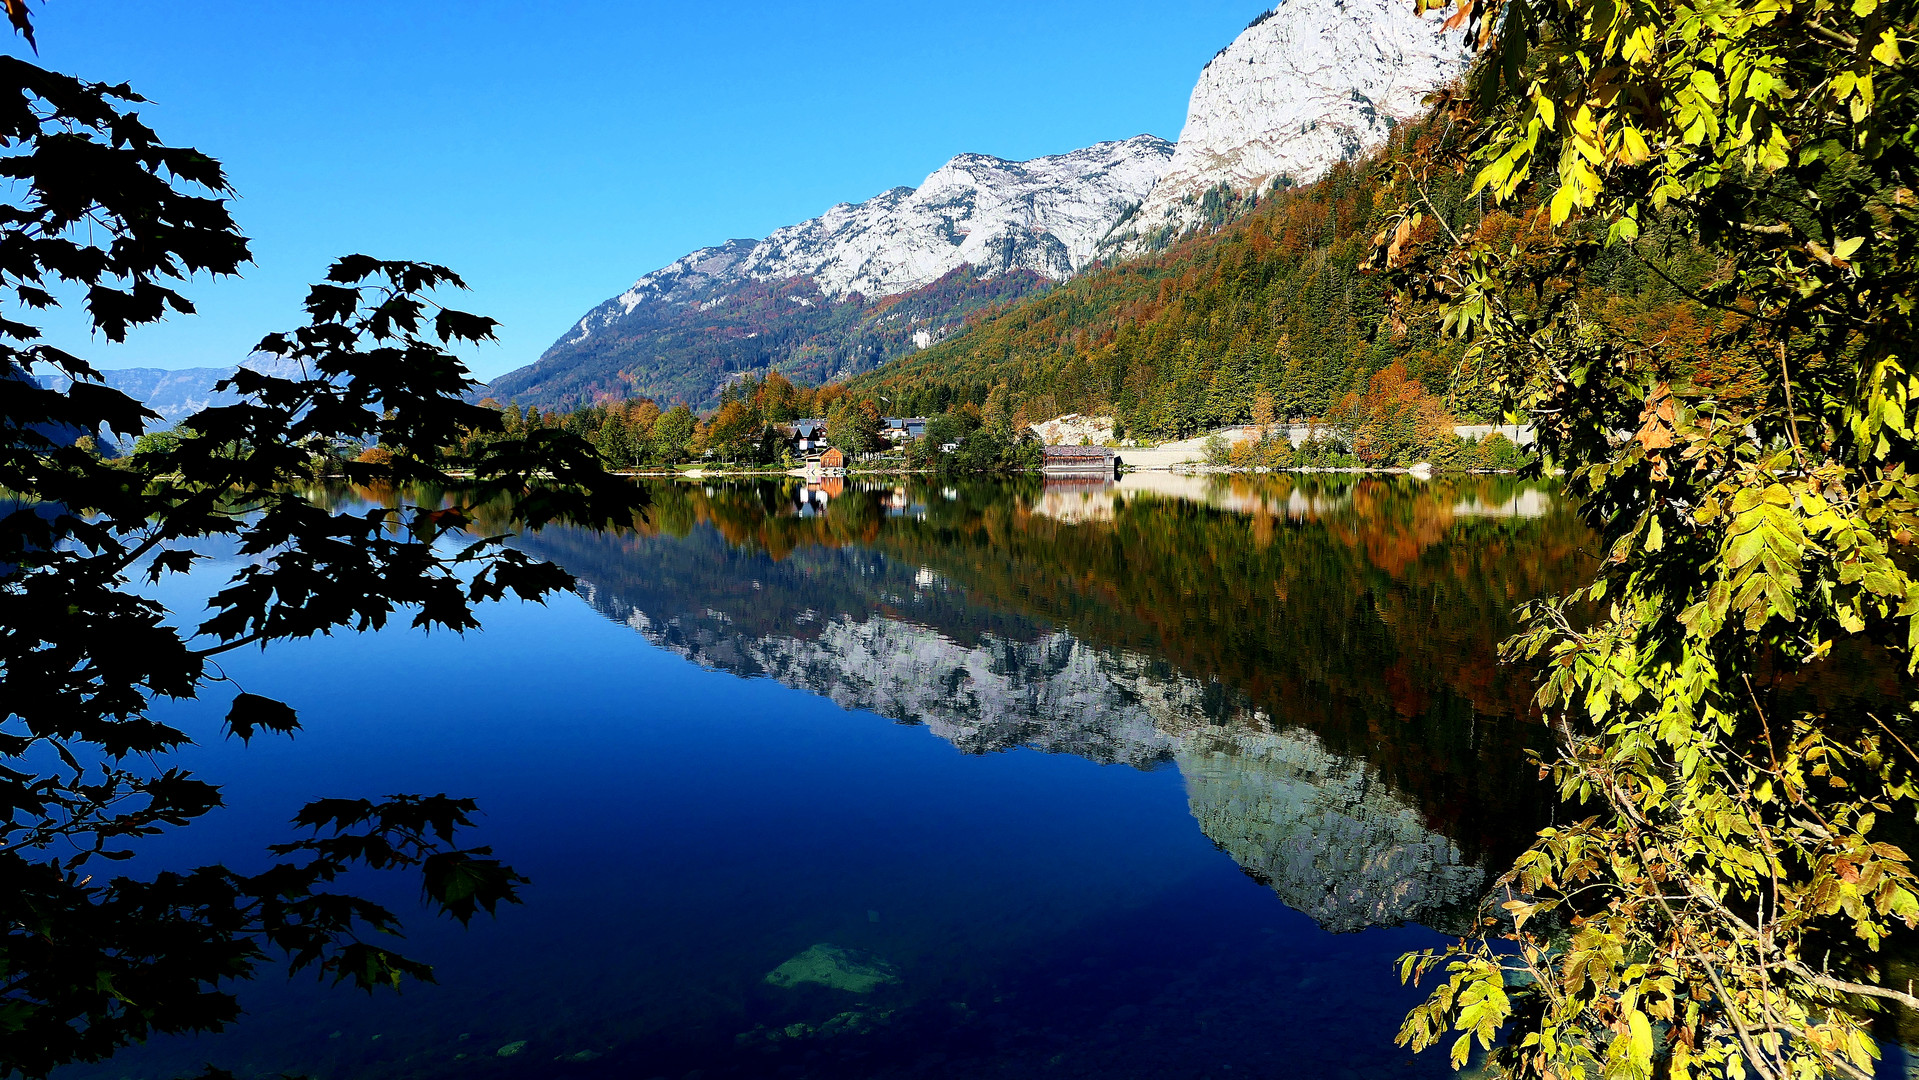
<point x="177" y="393"/>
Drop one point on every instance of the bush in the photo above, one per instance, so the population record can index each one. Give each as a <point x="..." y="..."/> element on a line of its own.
<point x="158" y="442"/>
<point x="1324" y="453"/>
<point x="1496" y="451"/>
<point x="1271" y="452"/>
<point x="1452" y="454"/>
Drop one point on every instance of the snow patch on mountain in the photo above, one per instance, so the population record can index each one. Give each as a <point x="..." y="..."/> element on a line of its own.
<point x="1306" y="85"/>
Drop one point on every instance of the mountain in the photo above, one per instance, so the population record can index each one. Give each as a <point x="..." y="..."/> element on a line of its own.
<point x="1278" y="300"/>
<point x="852" y="288"/>
<point x="1046" y="215"/>
<point x="1179" y="340"/>
<point x="177" y="393"/>
<point x="1306" y="85"/>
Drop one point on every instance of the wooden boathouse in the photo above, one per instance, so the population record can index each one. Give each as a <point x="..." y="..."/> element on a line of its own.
<point x="1079" y="461"/>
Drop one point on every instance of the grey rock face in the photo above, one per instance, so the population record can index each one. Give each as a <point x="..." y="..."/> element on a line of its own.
<point x="1308" y="84"/>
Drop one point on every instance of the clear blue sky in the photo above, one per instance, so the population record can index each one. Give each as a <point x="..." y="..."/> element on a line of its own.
<point x="553" y="152"/>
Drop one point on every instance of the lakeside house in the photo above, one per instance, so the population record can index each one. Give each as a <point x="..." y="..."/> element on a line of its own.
<point x="833" y="462"/>
<point x="902" y="429"/>
<point x="807" y="440"/>
<point x="1079" y="460"/>
<point x="804" y="438"/>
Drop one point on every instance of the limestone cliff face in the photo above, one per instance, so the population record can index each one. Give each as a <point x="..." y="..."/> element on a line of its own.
<point x="1330" y="841"/>
<point x="1046" y="215"/>
<point x="1308" y="84"/>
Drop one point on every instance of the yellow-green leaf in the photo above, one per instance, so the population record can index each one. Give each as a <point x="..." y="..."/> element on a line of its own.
<point x="1886" y="52"/>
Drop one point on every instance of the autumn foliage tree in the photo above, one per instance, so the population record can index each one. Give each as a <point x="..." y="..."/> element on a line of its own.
<point x="1395" y="421"/>
<point x="1722" y="896"/>
<point x="854" y="426"/>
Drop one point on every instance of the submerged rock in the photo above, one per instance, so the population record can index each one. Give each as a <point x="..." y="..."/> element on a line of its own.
<point x="511" y="1049"/>
<point x="841" y="969"/>
<point x="849" y="1023"/>
<point x="853" y="1023"/>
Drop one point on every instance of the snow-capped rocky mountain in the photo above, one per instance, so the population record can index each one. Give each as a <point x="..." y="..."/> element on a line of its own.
<point x="1307" y="84"/>
<point x="1046" y="215"/>
<point x="985" y="222"/>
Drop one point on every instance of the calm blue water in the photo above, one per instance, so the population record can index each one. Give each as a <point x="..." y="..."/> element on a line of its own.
<point x="1115" y="783"/>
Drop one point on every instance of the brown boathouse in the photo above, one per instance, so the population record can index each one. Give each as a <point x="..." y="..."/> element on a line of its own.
<point x="1080" y="460"/>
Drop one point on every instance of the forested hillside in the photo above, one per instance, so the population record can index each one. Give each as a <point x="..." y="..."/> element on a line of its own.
<point x="1269" y="314"/>
<point x="1275" y="301"/>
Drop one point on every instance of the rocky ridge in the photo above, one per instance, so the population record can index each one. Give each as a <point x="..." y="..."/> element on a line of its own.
<point x="1308" y="84"/>
<point x="1046" y="215"/>
<point x="174" y="393"/>
<point x="848" y="290"/>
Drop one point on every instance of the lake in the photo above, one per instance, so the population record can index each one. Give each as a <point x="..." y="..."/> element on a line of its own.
<point x="1154" y="778"/>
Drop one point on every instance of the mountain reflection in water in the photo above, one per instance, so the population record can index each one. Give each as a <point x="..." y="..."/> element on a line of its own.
<point x="1317" y="658"/>
<point x="1298" y="673"/>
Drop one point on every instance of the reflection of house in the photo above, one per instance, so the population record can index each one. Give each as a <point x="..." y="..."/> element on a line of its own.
<point x="1079" y="459"/>
<point x="900" y="504"/>
<point x="833" y="462"/>
<point x="812" y="500"/>
<point x="1077" y="497"/>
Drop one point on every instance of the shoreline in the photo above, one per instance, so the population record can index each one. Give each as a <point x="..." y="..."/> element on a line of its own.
<point x="1178" y="470"/>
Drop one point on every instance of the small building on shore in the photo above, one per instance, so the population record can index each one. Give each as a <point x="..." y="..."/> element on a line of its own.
<point x="804" y="438"/>
<point x="833" y="462"/>
<point x="1079" y="460"/>
<point x="902" y="429"/>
